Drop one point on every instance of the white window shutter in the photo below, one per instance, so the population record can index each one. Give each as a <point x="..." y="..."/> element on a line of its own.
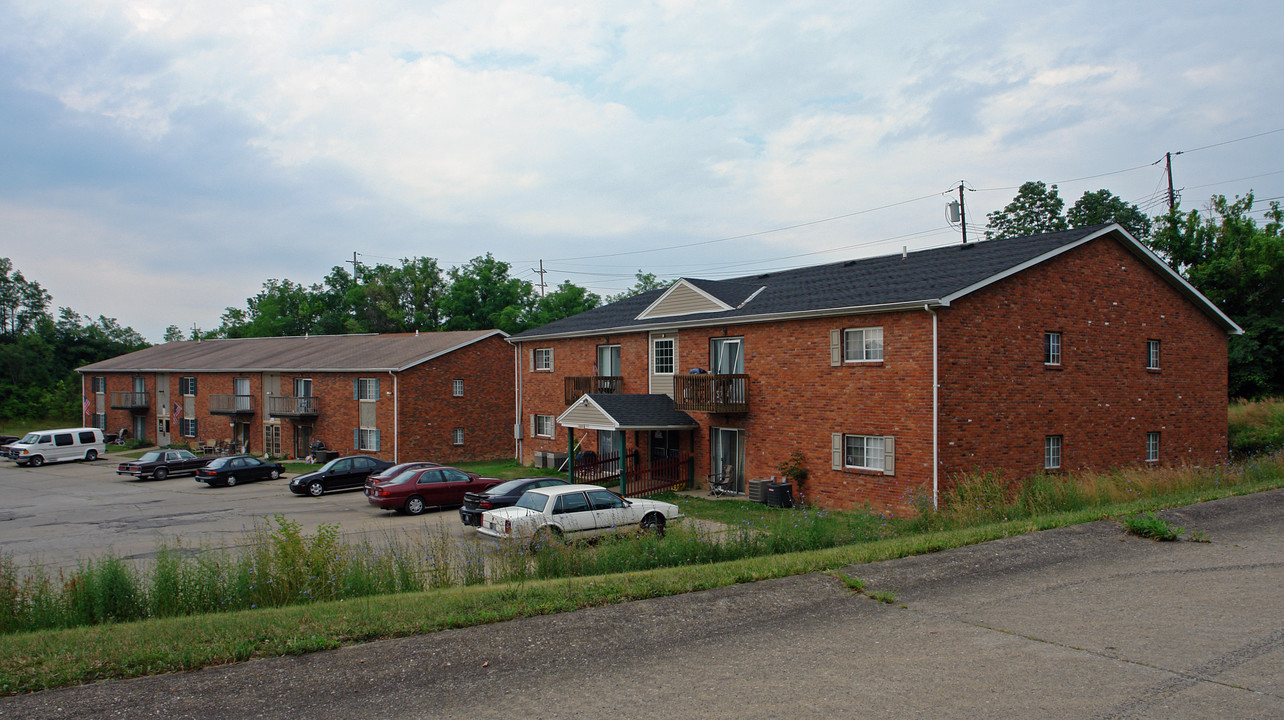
<point x="835" y="347"/>
<point x="533" y="428"/>
<point x="356" y="439"/>
<point x="836" y="451"/>
<point x="550" y="359"/>
<point x="889" y="455"/>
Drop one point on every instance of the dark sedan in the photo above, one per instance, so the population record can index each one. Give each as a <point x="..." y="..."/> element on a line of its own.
<point x="502" y="495"/>
<point x="413" y="491"/>
<point x="160" y="464"/>
<point x="340" y="473"/>
<point x="229" y="471"/>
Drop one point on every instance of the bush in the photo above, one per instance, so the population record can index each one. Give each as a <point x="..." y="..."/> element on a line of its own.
<point x="1150" y="525"/>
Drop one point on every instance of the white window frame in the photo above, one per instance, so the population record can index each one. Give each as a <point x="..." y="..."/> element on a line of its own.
<point x="187" y="388"/>
<point x="672" y="359"/>
<point x="1052" y="347"/>
<point x="1152" y="354"/>
<point x="867" y="352"/>
<point x="187" y="427"/>
<point x="1152" y="447"/>
<point x="457" y="436"/>
<point x="456" y="388"/>
<point x="98" y="384"/>
<point x="100" y="421"/>
<point x="542" y="360"/>
<point x="879" y="452"/>
<point x="543" y="426"/>
<point x="871" y="449"/>
<point x="302" y="383"/>
<point x="1052" y="451"/>
<point x="367" y="389"/>
<point x="367" y="439"/>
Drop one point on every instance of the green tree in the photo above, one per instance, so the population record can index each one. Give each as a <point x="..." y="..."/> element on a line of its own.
<point x="21" y="302"/>
<point x="1103" y="206"/>
<point x="1239" y="266"/>
<point x="1036" y="209"/>
<point x="482" y="296"/>
<point x="567" y="300"/>
<point x="174" y="333"/>
<point x="645" y="282"/>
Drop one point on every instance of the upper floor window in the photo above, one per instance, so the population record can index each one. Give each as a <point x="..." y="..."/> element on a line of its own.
<point x="608" y="360"/>
<point x="662" y="356"/>
<point x="457" y="388"/>
<point x="1052" y="452"/>
<point x="727" y="356"/>
<point x="862" y="344"/>
<point x="98" y="384"/>
<point x="187" y="386"/>
<point x="1051" y="348"/>
<point x="543" y="359"/>
<point x="1152" y="354"/>
<point x="302" y="387"/>
<point x="366" y="388"/>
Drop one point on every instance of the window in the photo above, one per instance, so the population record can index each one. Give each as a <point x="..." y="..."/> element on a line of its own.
<point x="1152" y="447"/>
<point x="457" y="388"/>
<point x="98" y="384"/>
<point x="366" y="439"/>
<point x="608" y="360"/>
<point x="544" y="426"/>
<point x="457" y="437"/>
<point x="1052" y="348"/>
<point x="1052" y="452"/>
<point x="1152" y="354"/>
<point x="63" y="439"/>
<point x="366" y="389"/>
<point x="302" y="387"/>
<point x="162" y="425"/>
<point x="662" y="356"/>
<point x="727" y="356"/>
<point x="863" y="452"/>
<point x="86" y="437"/>
<point x="863" y="344"/>
<point x="100" y="421"/>
<point x="187" y="426"/>
<point x="543" y="359"/>
<point x="187" y="386"/>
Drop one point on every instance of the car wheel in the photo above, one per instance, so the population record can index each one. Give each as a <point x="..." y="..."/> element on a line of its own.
<point x="654" y="523"/>
<point x="415" y="506"/>
<point x="545" y="537"/>
<point x="160" y="474"/>
<point x="274" y="474"/>
<point x="231" y="481"/>
<point x="91" y="455"/>
<point x="36" y="461"/>
<point x="316" y="489"/>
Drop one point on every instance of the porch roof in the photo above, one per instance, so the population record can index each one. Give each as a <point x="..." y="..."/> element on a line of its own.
<point x="609" y="411"/>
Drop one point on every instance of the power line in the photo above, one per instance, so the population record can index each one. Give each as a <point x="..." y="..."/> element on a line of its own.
<point x="1228" y="142"/>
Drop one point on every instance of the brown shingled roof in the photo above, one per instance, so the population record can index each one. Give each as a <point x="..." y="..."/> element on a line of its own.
<point x="316" y="353"/>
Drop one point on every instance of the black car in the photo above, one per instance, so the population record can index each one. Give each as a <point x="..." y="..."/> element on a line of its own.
<point x="160" y="464"/>
<point x="340" y="473"/>
<point x="502" y="495"/>
<point x="236" y="469"/>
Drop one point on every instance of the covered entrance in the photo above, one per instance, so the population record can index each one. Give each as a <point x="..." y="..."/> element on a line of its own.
<point x="656" y="425"/>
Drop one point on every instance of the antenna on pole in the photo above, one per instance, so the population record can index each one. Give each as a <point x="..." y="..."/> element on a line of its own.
<point x="543" y="286"/>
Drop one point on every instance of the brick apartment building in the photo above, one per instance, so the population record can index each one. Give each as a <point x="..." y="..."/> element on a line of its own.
<point x="891" y="375"/>
<point x="440" y="396"/>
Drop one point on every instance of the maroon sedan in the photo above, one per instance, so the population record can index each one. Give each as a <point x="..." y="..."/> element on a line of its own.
<point x="414" y="490"/>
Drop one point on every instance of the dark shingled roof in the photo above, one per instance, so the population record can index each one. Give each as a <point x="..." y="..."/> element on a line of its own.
<point x="316" y="353"/>
<point x="919" y="277"/>
<point x="643" y="411"/>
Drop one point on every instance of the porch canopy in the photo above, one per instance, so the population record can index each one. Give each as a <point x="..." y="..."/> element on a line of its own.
<point x="608" y="411"/>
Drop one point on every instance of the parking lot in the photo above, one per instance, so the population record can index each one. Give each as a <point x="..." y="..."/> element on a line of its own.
<point x="59" y="514"/>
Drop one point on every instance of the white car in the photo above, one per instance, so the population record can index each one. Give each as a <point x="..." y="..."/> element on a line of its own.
<point x="572" y="511"/>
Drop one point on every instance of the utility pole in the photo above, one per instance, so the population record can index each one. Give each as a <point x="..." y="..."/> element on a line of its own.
<point x="543" y="286"/>
<point x="962" y="213"/>
<point x="356" y="264"/>
<point x="1172" y="197"/>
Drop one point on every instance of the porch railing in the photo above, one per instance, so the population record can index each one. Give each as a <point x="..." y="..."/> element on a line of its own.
<point x="711" y="393"/>
<point x="231" y="404"/>
<point x="640" y="478"/>
<point x="293" y="407"/>
<point x="130" y="401"/>
<point x="577" y="386"/>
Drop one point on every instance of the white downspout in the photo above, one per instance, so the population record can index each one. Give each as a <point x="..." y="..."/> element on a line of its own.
<point x="936" y="384"/>
<point x="396" y="423"/>
<point x="517" y="401"/>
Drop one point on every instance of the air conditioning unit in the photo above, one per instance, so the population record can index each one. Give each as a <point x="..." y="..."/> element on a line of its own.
<point x="554" y="460"/>
<point x="758" y="490"/>
<point x="541" y="459"/>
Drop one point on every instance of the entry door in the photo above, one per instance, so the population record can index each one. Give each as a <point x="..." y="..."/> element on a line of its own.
<point x="727" y="448"/>
<point x="163" y="409"/>
<point x="302" y="440"/>
<point x="664" y="444"/>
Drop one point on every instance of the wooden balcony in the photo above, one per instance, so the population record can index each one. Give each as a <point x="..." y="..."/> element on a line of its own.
<point x="711" y="393"/>
<point x="293" y="407"/>
<point x="577" y="386"/>
<point x="231" y="404"/>
<point x="137" y="402"/>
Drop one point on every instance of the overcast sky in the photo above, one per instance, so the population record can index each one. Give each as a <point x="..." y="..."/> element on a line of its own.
<point x="162" y="159"/>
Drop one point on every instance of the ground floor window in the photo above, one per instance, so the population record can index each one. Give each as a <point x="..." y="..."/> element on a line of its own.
<point x="1152" y="447"/>
<point x="1052" y="452"/>
<point x="543" y="426"/>
<point x="100" y="421"/>
<point x="187" y="426"/>
<point x="457" y="437"/>
<point x="367" y="439"/>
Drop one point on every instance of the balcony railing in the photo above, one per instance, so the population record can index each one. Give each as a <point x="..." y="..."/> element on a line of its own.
<point x="293" y="407"/>
<point x="231" y="404"/>
<point x="577" y="386"/>
<point x="133" y="401"/>
<point x="711" y="393"/>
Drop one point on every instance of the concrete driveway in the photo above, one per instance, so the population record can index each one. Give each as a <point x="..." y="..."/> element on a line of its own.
<point x="1082" y="622"/>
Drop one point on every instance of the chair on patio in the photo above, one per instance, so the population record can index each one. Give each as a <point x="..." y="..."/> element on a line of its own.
<point x="720" y="483"/>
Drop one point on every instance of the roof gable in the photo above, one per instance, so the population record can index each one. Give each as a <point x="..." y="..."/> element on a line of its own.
<point x="683" y="298"/>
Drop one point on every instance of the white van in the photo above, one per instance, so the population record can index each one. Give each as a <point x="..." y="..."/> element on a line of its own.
<point x="38" y="448"/>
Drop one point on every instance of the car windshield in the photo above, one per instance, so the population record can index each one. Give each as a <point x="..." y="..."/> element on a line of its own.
<point x="219" y="462"/>
<point x="507" y="487"/>
<point x="403" y="476"/>
<point x="30" y="438"/>
<point x="533" y="501"/>
<point x="151" y="456"/>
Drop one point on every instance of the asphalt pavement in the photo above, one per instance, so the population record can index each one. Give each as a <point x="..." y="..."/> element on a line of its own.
<point x="1080" y="622"/>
